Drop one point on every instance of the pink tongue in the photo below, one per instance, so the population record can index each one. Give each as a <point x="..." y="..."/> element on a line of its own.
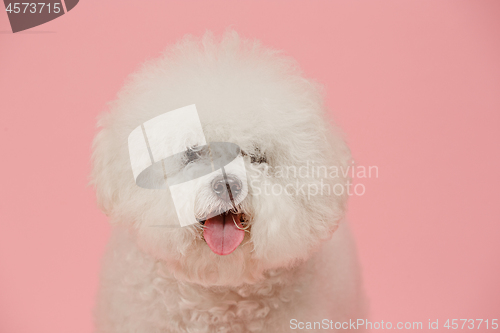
<point x="221" y="233"/>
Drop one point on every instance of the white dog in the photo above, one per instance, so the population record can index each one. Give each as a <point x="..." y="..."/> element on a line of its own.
<point x="278" y="260"/>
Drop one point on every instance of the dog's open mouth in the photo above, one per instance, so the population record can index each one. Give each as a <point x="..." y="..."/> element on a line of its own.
<point x="224" y="233"/>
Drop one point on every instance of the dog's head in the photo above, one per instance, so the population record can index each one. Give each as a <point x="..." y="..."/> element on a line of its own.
<point x="291" y="194"/>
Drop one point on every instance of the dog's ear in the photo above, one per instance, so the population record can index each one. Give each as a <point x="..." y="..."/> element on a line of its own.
<point x="104" y="174"/>
<point x="341" y="159"/>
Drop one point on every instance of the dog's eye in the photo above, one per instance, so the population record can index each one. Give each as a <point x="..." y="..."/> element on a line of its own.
<point x="192" y="154"/>
<point x="256" y="157"/>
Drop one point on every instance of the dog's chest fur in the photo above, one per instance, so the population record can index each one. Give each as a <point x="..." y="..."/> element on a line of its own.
<point x="240" y="309"/>
<point x="149" y="299"/>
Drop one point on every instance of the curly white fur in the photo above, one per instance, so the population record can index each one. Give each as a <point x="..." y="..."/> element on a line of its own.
<point x="289" y="265"/>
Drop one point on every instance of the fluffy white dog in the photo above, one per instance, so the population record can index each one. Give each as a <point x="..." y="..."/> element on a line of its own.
<point x="277" y="260"/>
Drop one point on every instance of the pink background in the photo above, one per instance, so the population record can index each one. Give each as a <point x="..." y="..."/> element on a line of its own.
<point x="415" y="86"/>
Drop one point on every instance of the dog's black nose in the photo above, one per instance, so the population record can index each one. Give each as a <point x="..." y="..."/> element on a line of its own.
<point x="220" y="186"/>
